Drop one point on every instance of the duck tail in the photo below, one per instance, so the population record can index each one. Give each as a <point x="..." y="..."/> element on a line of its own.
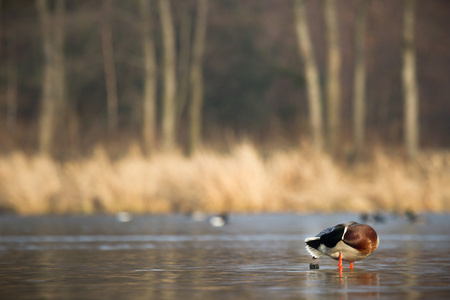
<point x="312" y="244"/>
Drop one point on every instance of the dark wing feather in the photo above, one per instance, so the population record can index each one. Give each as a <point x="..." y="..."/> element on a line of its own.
<point x="325" y="231"/>
<point x="331" y="236"/>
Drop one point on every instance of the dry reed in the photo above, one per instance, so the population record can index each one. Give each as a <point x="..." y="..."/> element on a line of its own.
<point x="240" y="181"/>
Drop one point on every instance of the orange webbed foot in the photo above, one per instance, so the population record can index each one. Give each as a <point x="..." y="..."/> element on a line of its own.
<point x="340" y="261"/>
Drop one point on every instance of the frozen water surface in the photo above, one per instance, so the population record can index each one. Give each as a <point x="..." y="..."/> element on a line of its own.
<point x="254" y="256"/>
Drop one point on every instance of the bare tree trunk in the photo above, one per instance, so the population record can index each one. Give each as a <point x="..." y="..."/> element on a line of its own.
<point x="1" y="47"/>
<point x="410" y="85"/>
<point x="359" y="83"/>
<point x="110" y="70"/>
<point x="49" y="98"/>
<point x="333" y="74"/>
<point x="1" y="25"/>
<point x="52" y="28"/>
<point x="149" y="97"/>
<point x="60" y="82"/>
<point x="184" y="59"/>
<point x="11" y="89"/>
<point x="195" y="110"/>
<point x="169" y="59"/>
<point x="311" y="73"/>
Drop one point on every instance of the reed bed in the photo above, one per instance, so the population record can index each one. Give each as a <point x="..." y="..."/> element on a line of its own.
<point x="242" y="180"/>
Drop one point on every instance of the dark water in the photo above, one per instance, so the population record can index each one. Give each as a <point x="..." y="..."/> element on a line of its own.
<point x="255" y="256"/>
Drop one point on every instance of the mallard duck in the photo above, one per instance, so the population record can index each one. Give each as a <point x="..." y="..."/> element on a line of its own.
<point x="349" y="241"/>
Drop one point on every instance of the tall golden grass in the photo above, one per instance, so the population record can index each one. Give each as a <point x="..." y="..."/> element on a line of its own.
<point x="242" y="180"/>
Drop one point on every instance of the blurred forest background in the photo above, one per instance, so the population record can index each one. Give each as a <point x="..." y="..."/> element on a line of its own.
<point x="182" y="105"/>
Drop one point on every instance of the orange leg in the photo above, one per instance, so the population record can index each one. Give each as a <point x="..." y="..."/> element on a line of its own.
<point x="340" y="261"/>
<point x="351" y="265"/>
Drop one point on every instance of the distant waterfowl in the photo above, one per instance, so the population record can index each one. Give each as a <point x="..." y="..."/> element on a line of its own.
<point x="197" y="216"/>
<point x="375" y="218"/>
<point x="219" y="220"/>
<point x="412" y="217"/>
<point x="349" y="241"/>
<point x="365" y="217"/>
<point x="379" y="217"/>
<point x="124" y="217"/>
